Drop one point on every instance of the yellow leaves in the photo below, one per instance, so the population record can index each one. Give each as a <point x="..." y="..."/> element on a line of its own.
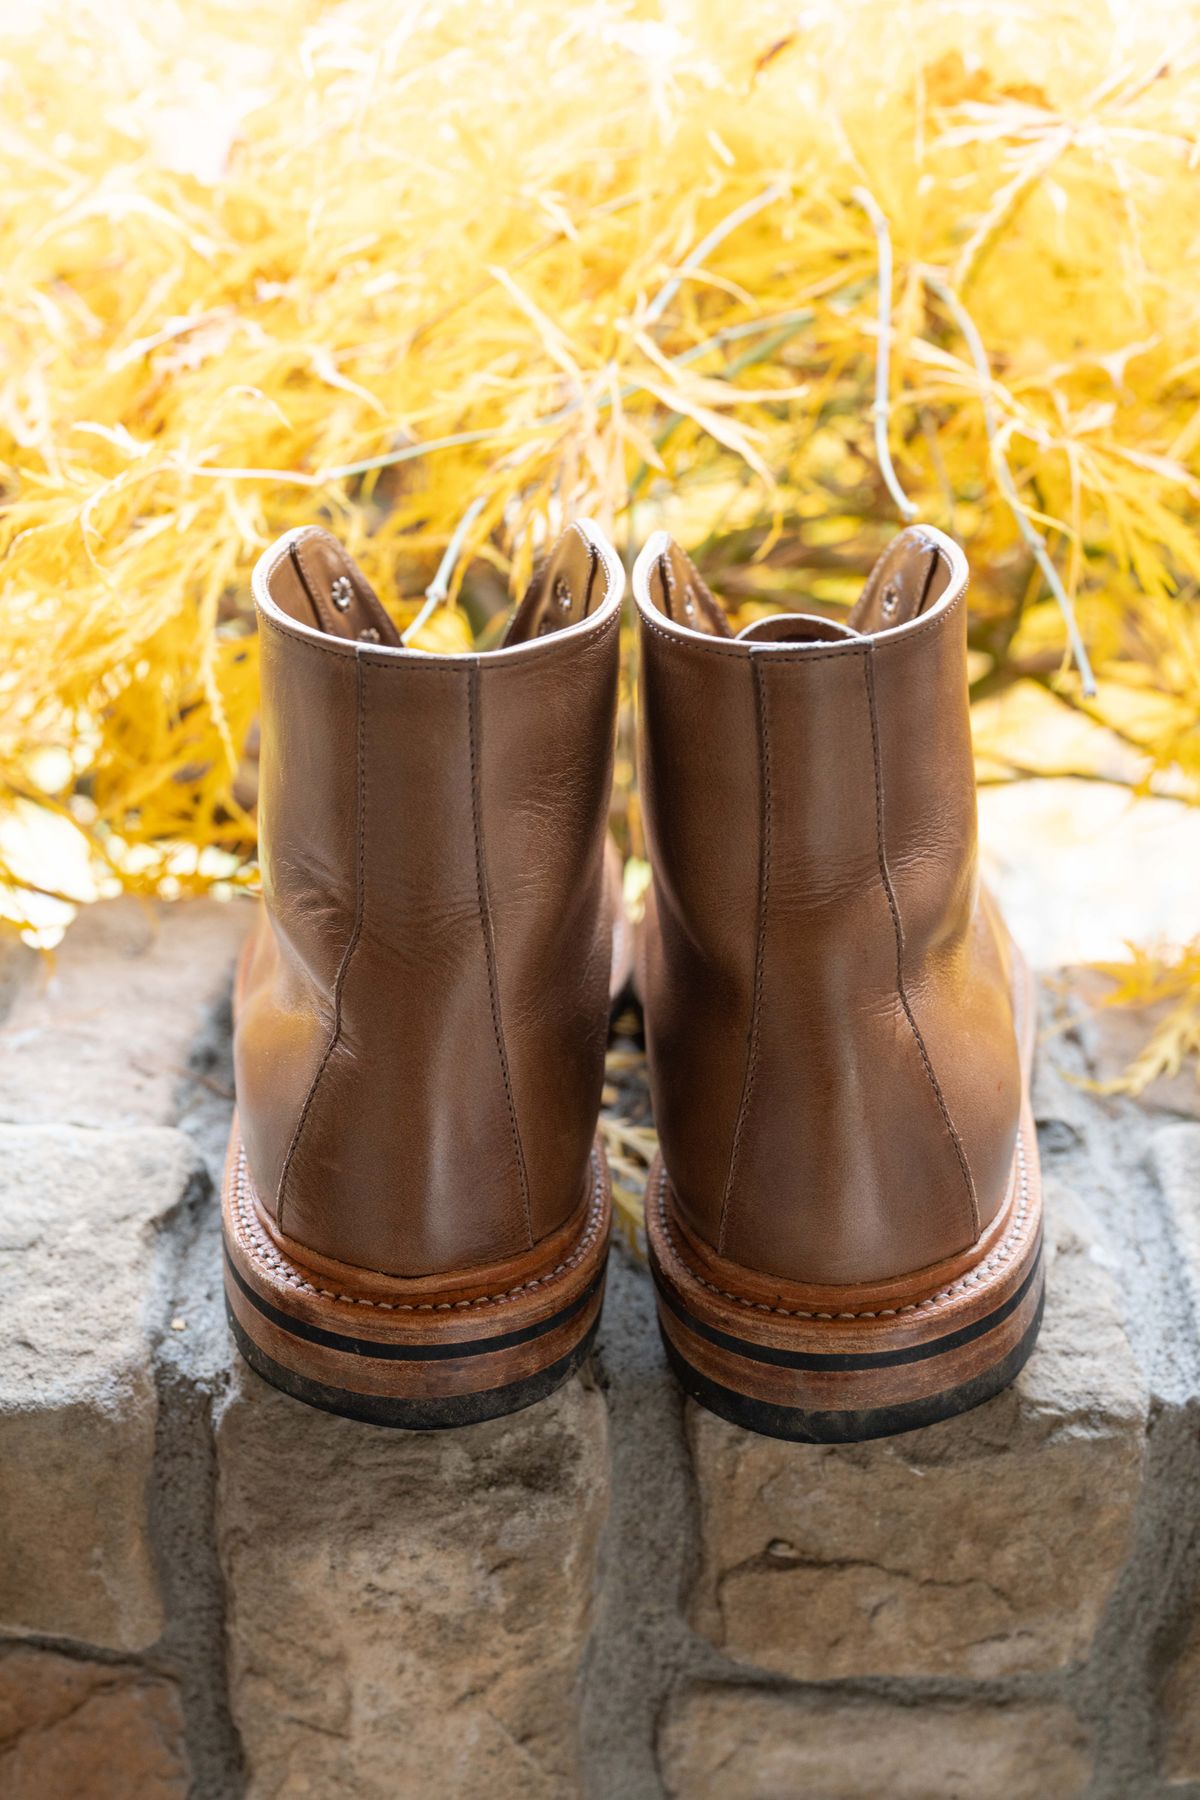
<point x="368" y="264"/>
<point x="1169" y="983"/>
<point x="445" y="633"/>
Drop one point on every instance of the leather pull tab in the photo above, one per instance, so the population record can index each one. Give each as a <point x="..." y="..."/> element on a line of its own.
<point x="563" y="590"/>
<point x="684" y="596"/>
<point x="900" y="586"/>
<point x="339" y="597"/>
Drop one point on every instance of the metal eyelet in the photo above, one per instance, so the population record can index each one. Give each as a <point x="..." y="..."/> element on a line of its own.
<point x="890" y="600"/>
<point x="562" y="594"/>
<point x="368" y="635"/>
<point x="341" y="593"/>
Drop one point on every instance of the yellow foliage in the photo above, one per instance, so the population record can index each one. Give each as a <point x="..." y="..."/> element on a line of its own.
<point x="1172" y="983"/>
<point x="366" y="262"/>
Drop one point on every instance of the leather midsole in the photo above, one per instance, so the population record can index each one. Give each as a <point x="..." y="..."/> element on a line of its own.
<point x="957" y="1360"/>
<point x="830" y="1360"/>
<point x="744" y="1308"/>
<point x="395" y="1350"/>
<point x="266" y="1281"/>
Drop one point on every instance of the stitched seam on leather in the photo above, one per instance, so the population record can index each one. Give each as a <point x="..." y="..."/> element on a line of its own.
<point x="360" y="708"/>
<point x="259" y="1247"/>
<point x="1001" y="1253"/>
<point x="901" y="990"/>
<point x="489" y="942"/>
<point x="588" y="637"/>
<point x="593" y="571"/>
<point x="760" y="947"/>
<point x="311" y="586"/>
<point x="800" y="658"/>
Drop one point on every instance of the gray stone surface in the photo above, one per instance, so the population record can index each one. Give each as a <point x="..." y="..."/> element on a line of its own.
<point x="641" y="1644"/>
<point x="390" y="1614"/>
<point x="79" y="1730"/>
<point x="1113" y="1037"/>
<point x="101" y="1032"/>
<point x="1175" y="1159"/>
<point x="743" y="1743"/>
<point x="407" y="1612"/>
<point x="986" y="1545"/>
<point x="81" y="1217"/>
<point x="1181" y="1707"/>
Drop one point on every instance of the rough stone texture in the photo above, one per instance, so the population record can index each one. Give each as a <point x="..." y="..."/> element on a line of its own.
<point x="80" y="1217"/>
<point x="1112" y="1036"/>
<point x="398" y="1615"/>
<point x="87" y="1731"/>
<point x="100" y="1034"/>
<point x="738" y="1743"/>
<point x="641" y="1646"/>
<point x="407" y="1612"/>
<point x="986" y="1545"/>
<point x="1175" y="1158"/>
<point x="1181" y="1708"/>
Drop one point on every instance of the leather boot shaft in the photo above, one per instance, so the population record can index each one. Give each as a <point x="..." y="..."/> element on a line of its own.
<point x="829" y="1014"/>
<point x="422" y="1026"/>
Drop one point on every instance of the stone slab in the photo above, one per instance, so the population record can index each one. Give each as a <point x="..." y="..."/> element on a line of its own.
<point x="100" y="1032"/>
<point x="1113" y="1037"/>
<point x="407" y="1612"/>
<point x="986" y="1545"/>
<point x="81" y="1217"/>
<point x="81" y="1730"/>
<point x="740" y="1743"/>
<point x="1175" y="1160"/>
<point x="1181" y="1707"/>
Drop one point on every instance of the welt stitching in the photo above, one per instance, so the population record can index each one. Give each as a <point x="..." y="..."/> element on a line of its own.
<point x="1001" y="1253"/>
<point x="360" y="707"/>
<point x="902" y="992"/>
<point x="489" y="944"/>
<point x="760" y="949"/>
<point x="261" y="1249"/>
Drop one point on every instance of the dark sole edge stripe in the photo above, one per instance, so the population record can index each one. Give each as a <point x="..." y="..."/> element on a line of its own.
<point x="455" y="1348"/>
<point x="852" y="1425"/>
<point x="445" y="1413"/>
<point x="831" y="1360"/>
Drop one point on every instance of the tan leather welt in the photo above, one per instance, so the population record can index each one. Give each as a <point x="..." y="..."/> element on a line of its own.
<point x="551" y="1259"/>
<point x="932" y="1287"/>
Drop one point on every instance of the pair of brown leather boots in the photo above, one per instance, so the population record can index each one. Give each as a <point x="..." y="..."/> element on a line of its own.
<point x="844" y="1225"/>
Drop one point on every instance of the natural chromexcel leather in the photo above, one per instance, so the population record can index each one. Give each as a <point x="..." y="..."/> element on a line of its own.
<point x="829" y="1017"/>
<point x="421" y="1030"/>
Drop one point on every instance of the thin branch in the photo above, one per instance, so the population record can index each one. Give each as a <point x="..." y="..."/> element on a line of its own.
<point x="1004" y="475"/>
<point x="1038" y="164"/>
<point x="439" y="588"/>
<point x="881" y="410"/>
<point x="695" y="259"/>
<point x="491" y="433"/>
<point x="1015" y="772"/>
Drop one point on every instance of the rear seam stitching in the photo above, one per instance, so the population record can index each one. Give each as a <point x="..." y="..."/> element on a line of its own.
<point x="902" y="992"/>
<point x="489" y="947"/>
<point x="360" y="707"/>
<point x="764" y="878"/>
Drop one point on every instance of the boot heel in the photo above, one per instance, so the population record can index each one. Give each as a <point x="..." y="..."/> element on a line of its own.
<point x="836" y="1366"/>
<point x="404" y="1353"/>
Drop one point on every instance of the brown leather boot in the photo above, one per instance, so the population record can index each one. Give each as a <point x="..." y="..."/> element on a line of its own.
<point x="845" y="1223"/>
<point x="416" y="1213"/>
